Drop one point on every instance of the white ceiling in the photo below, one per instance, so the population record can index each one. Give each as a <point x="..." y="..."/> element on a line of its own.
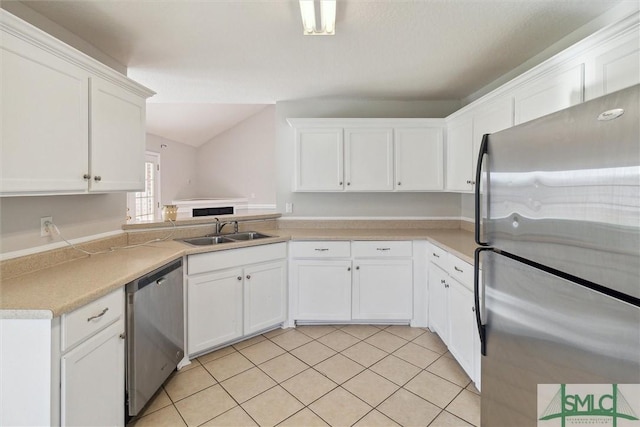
<point x="254" y="52"/>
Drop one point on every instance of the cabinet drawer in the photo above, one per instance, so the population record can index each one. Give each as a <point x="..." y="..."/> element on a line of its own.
<point x="91" y="318"/>
<point x="461" y="271"/>
<point x="438" y="256"/>
<point x="382" y="249"/>
<point x="320" y="249"/>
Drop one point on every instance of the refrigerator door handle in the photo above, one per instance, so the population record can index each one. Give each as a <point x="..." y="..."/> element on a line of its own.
<point x="481" y="154"/>
<point x="476" y="293"/>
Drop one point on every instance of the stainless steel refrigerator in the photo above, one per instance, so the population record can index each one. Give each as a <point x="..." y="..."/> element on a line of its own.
<point x="558" y="296"/>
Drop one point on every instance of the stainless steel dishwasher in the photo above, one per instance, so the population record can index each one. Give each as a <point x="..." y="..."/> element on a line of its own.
<point x="155" y="332"/>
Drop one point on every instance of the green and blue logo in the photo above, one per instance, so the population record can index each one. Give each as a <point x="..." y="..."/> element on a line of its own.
<point x="588" y="405"/>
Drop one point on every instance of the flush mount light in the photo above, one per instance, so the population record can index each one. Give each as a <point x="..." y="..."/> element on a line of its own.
<point x="326" y="9"/>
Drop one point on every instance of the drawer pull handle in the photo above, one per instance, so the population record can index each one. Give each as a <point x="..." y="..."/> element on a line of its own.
<point x="383" y="249"/>
<point x="358" y="268"/>
<point x="446" y="285"/>
<point x="348" y="268"/>
<point x="443" y="281"/>
<point x="239" y="277"/>
<point x="161" y="280"/>
<point x="321" y="249"/>
<point x="436" y="255"/>
<point x="248" y="276"/>
<point x="457" y="269"/>
<point x="97" y="316"/>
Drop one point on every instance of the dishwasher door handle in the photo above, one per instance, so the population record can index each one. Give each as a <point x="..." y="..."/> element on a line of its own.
<point x="161" y="280"/>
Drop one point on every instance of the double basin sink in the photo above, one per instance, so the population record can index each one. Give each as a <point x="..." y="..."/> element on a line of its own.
<point x="227" y="238"/>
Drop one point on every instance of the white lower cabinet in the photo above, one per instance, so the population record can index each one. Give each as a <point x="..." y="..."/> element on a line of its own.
<point x="323" y="289"/>
<point x="351" y="281"/>
<point x="215" y="309"/>
<point x="452" y="309"/>
<point x="234" y="293"/>
<point x="462" y="326"/>
<point x="438" y="302"/>
<point x="92" y="386"/>
<point x="382" y="289"/>
<point x="265" y="296"/>
<point x="92" y="345"/>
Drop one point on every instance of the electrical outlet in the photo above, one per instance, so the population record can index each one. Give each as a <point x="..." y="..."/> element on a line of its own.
<point x="44" y="230"/>
<point x="288" y="207"/>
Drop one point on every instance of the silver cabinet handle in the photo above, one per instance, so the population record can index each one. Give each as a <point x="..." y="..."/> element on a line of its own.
<point x="457" y="269"/>
<point x="97" y="316"/>
<point x="383" y="249"/>
<point x="321" y="249"/>
<point x="97" y="178"/>
<point x="436" y="255"/>
<point x="161" y="280"/>
<point x="472" y="182"/>
<point x="86" y="176"/>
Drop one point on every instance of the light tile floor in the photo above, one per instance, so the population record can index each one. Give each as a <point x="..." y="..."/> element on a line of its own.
<point x="360" y="375"/>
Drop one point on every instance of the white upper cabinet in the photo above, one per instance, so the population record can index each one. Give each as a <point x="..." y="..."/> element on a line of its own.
<point x="368" y="159"/>
<point x="117" y="128"/>
<point x="614" y="66"/>
<point x="368" y="155"/>
<point x="66" y="118"/>
<point x="319" y="159"/>
<point x="550" y="92"/>
<point x="44" y="120"/>
<point x="460" y="154"/>
<point x="419" y="159"/>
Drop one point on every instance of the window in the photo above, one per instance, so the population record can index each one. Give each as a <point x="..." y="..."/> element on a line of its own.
<point x="145" y="205"/>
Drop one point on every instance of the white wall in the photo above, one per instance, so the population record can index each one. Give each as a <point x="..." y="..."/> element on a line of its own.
<point x="177" y="168"/>
<point x="76" y="216"/>
<point x="240" y="162"/>
<point x="356" y="204"/>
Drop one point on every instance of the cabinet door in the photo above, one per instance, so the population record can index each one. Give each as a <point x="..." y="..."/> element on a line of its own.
<point x="265" y="296"/>
<point x="494" y="117"/>
<point x="368" y="159"/>
<point x="615" y="68"/>
<point x="92" y="388"/>
<point x="44" y="115"/>
<point x="323" y="289"/>
<point x="462" y="326"/>
<point x="549" y="93"/>
<point x="460" y="154"/>
<point x="214" y="307"/>
<point x="319" y="160"/>
<point x="418" y="159"/>
<point x="438" y="304"/>
<point x="117" y="138"/>
<point x="382" y="289"/>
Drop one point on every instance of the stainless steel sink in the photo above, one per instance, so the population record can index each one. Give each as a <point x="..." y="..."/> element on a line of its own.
<point x="247" y="235"/>
<point x="207" y="240"/>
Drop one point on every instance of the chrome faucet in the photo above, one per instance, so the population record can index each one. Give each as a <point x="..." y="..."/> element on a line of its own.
<point x="220" y="225"/>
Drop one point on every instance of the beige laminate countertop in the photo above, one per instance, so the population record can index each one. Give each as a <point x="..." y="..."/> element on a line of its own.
<point x="53" y="291"/>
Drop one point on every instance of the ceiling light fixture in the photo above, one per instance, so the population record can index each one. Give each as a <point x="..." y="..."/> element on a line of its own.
<point x="326" y="26"/>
